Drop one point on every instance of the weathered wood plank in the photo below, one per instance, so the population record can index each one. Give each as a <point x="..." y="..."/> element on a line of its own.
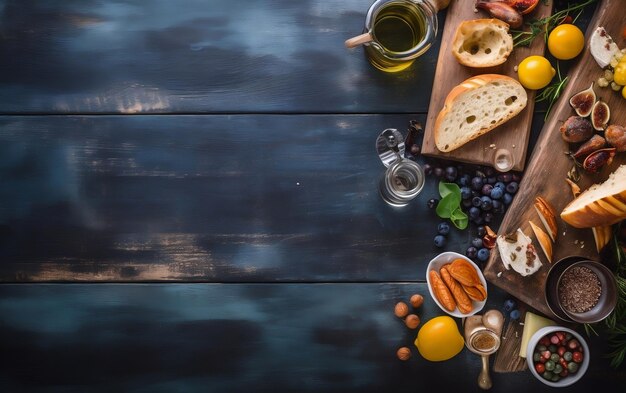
<point x="215" y="56"/>
<point x="235" y="338"/>
<point x="217" y="198"/>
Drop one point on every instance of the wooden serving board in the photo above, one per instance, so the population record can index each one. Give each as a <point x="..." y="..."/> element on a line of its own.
<point x="513" y="134"/>
<point x="547" y="170"/>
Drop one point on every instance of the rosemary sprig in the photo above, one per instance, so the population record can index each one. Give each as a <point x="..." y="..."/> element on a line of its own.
<point x="545" y="25"/>
<point x="616" y="321"/>
<point x="552" y="92"/>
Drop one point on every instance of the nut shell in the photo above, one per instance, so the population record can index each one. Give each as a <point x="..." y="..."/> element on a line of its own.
<point x="412" y="321"/>
<point x="417" y="300"/>
<point x="401" y="310"/>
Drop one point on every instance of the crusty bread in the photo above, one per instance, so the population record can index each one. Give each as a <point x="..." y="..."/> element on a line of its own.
<point x="482" y="43"/>
<point x="475" y="107"/>
<point x="599" y="205"/>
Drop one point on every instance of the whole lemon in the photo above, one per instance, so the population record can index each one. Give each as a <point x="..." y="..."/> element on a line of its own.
<point x="624" y="92"/>
<point x="439" y="339"/>
<point x="535" y="72"/>
<point x="566" y="41"/>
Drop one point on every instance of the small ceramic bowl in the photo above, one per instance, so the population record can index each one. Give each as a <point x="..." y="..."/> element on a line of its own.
<point x="447" y="257"/>
<point x="608" y="295"/>
<point x="533" y="342"/>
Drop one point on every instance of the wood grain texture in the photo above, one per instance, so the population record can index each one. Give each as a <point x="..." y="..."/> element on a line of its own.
<point x="203" y="56"/>
<point x="206" y="198"/>
<point x="547" y="171"/>
<point x="512" y="135"/>
<point x="235" y="338"/>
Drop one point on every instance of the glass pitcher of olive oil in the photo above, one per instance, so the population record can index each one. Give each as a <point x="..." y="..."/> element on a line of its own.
<point x="398" y="31"/>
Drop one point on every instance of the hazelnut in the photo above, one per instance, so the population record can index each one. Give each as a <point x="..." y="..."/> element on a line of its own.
<point x="401" y="310"/>
<point x="412" y="321"/>
<point x="417" y="300"/>
<point x="404" y="353"/>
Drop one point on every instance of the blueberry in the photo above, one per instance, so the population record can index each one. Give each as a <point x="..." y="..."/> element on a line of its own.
<point x="498" y="207"/>
<point x="496" y="193"/>
<point x="438" y="172"/>
<point x="516" y="178"/>
<point x="479" y="221"/>
<point x="428" y="169"/>
<point x="477" y="242"/>
<point x="466" y="193"/>
<point x="476" y="201"/>
<point x="474" y="213"/>
<point x="509" y="305"/>
<point x="491" y="180"/>
<point x="481" y="231"/>
<point x="440" y="241"/>
<point x="471" y="252"/>
<point x="475" y="193"/>
<point x="505" y="177"/>
<point x="483" y="254"/>
<point x="443" y="228"/>
<point x="486" y="203"/>
<point x="432" y="203"/>
<point x="486" y="190"/>
<point x="466" y="203"/>
<point x="507" y="198"/>
<point x="465" y="180"/>
<point x="450" y="173"/>
<point x="512" y="187"/>
<point x="488" y="217"/>
<point x="500" y="185"/>
<point x="515" y="314"/>
<point x="477" y="183"/>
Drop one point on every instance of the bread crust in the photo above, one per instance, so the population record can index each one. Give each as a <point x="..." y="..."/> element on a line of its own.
<point x="470" y="84"/>
<point x="471" y="26"/>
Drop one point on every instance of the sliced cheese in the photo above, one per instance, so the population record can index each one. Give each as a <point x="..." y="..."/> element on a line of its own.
<point x="519" y="254"/>
<point x="532" y="323"/>
<point x="602" y="47"/>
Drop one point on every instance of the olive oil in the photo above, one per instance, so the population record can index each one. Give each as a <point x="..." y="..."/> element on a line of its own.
<point x="398" y="28"/>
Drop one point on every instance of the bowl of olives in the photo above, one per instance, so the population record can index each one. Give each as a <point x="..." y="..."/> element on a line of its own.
<point x="557" y="356"/>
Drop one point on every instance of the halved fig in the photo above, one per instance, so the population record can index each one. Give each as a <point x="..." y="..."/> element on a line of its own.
<point x="600" y="115"/>
<point x="616" y="136"/>
<point x="523" y="6"/>
<point x="583" y="101"/>
<point x="576" y="129"/>
<point x="598" y="159"/>
<point x="595" y="143"/>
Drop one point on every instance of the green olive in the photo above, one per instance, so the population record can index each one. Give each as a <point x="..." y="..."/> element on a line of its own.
<point x="541" y="348"/>
<point x="572" y="367"/>
<point x="567" y="356"/>
<point x="552" y="348"/>
<point x="555" y="357"/>
<point x="547" y="374"/>
<point x="558" y="368"/>
<point x="549" y="365"/>
<point x="536" y="356"/>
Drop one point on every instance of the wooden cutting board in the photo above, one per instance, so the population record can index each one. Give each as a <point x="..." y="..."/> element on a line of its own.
<point x="548" y="167"/>
<point x="513" y="134"/>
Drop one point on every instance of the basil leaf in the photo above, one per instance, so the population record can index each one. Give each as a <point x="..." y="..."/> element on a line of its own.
<point x="448" y="188"/>
<point x="459" y="218"/>
<point x="449" y="206"/>
<point x="444" y="209"/>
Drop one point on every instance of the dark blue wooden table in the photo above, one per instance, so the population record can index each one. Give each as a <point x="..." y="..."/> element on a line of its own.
<point x="189" y="202"/>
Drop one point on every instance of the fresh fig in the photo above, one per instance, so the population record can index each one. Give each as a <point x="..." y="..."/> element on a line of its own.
<point x="595" y="143"/>
<point x="583" y="101"/>
<point x="576" y="129"/>
<point x="502" y="11"/>
<point x="616" y="136"/>
<point x="522" y="6"/>
<point x="600" y="115"/>
<point x="598" y="159"/>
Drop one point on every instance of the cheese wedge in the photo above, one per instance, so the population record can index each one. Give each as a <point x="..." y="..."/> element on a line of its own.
<point x="517" y="252"/>
<point x="532" y="323"/>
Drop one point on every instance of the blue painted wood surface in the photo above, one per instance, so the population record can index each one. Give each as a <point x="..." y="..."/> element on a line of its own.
<point x="233" y="338"/>
<point x="197" y="56"/>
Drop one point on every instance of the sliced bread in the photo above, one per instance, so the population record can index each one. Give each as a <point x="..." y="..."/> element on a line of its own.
<point x="475" y="107"/>
<point x="482" y="43"/>
<point x="601" y="204"/>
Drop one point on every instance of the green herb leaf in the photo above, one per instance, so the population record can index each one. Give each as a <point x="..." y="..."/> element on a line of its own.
<point x="449" y="205"/>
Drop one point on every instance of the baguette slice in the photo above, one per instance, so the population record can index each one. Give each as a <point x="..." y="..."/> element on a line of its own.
<point x="601" y="204"/>
<point x="475" y="107"/>
<point x="482" y="43"/>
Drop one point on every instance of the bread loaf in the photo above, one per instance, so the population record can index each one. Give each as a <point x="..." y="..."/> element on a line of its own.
<point x="475" y="107"/>
<point x="482" y="43"/>
<point x="599" y="205"/>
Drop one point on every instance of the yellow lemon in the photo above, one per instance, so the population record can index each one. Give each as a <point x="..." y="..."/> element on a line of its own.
<point x="439" y="339"/>
<point x="624" y="92"/>
<point x="566" y="41"/>
<point x="535" y="72"/>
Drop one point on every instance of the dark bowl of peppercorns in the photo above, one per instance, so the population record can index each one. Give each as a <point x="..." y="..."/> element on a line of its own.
<point x="586" y="291"/>
<point x="557" y="356"/>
